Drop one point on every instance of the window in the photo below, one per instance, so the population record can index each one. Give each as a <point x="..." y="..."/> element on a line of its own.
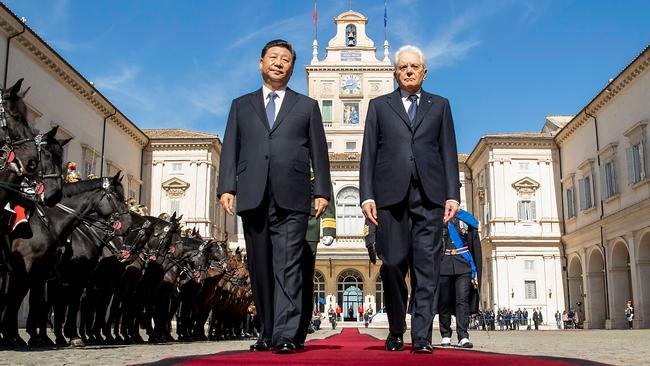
<point x="529" y="265"/>
<point x="526" y="210"/>
<point x="531" y="290"/>
<point x="327" y="111"/>
<point x="379" y="295"/>
<point x="177" y="167"/>
<point x="636" y="168"/>
<point x="329" y="145"/>
<point x="570" y="202"/>
<point x="349" y="286"/>
<point x="607" y="179"/>
<point x="174" y="206"/>
<point x="349" y="219"/>
<point x="319" y="291"/>
<point x="351" y="113"/>
<point x="350" y="146"/>
<point x="350" y="35"/>
<point x="586" y="197"/>
<point x="90" y="161"/>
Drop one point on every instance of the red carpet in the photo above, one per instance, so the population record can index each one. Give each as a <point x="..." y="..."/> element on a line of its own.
<point x="352" y="348"/>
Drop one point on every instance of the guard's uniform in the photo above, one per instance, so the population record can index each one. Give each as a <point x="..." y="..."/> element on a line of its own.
<point x="328" y="222"/>
<point x="457" y="294"/>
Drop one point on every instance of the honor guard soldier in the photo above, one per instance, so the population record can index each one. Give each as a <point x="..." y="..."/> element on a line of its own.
<point x="460" y="269"/>
<point x="71" y="174"/>
<point x="327" y="222"/>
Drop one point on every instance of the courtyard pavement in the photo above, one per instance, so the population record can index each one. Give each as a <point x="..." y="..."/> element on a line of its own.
<point x="617" y="347"/>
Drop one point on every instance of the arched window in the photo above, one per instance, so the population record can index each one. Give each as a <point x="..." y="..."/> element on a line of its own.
<point x="350" y="293"/>
<point x="349" y="218"/>
<point x="379" y="295"/>
<point x="350" y="35"/>
<point x="319" y="291"/>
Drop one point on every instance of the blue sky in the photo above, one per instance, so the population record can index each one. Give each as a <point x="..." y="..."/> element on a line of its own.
<point x="504" y="64"/>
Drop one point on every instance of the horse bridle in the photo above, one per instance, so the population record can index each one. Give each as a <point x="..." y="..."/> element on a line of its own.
<point x="8" y="156"/>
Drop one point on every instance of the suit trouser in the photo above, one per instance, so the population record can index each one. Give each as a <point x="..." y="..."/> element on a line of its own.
<point x="275" y="241"/>
<point x="409" y="234"/>
<point x="454" y="294"/>
<point x="308" y="267"/>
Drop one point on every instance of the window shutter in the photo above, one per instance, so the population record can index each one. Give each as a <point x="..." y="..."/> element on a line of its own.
<point x="583" y="201"/>
<point x="642" y="160"/>
<point x="533" y="213"/>
<point x="603" y="181"/>
<point x="630" y="165"/>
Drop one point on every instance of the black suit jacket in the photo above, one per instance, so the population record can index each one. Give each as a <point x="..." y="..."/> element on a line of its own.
<point x="254" y="156"/>
<point x="391" y="146"/>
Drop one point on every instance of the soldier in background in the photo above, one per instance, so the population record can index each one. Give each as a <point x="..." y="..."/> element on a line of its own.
<point x="71" y="173"/>
<point x="327" y="222"/>
<point x="459" y="279"/>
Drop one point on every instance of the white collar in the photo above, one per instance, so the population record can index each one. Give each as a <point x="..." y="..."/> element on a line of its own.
<point x="280" y="92"/>
<point x="404" y="94"/>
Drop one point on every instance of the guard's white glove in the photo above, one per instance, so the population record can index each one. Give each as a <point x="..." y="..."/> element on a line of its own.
<point x="328" y="240"/>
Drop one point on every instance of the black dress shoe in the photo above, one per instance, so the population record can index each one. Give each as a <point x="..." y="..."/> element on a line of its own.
<point x="284" y="348"/>
<point x="260" y="346"/>
<point x="394" y="343"/>
<point x="467" y="345"/>
<point x="422" y="348"/>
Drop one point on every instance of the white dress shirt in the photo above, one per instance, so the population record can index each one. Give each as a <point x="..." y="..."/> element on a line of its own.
<point x="407" y="104"/>
<point x="278" y="100"/>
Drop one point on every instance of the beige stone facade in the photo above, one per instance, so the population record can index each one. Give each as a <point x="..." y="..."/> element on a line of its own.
<point x="605" y="192"/>
<point x="512" y="193"/>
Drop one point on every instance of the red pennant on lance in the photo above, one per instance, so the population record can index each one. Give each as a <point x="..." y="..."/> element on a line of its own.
<point x="172" y="250"/>
<point x="125" y="254"/>
<point x="315" y="15"/>
<point x="40" y="188"/>
<point x="117" y="225"/>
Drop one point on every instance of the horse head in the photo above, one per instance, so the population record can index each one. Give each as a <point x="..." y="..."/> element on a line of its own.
<point x="50" y="172"/>
<point x="19" y="152"/>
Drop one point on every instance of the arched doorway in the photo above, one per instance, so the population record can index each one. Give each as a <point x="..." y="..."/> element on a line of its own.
<point x="350" y="293"/>
<point x="621" y="286"/>
<point x="319" y="291"/>
<point x="642" y="305"/>
<point x="379" y="295"/>
<point x="595" y="317"/>
<point x="576" y="290"/>
<point x="349" y="218"/>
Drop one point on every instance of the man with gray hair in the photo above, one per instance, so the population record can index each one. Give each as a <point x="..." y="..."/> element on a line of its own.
<point x="409" y="188"/>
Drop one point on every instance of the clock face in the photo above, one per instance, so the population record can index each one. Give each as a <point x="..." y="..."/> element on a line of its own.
<point x="351" y="84"/>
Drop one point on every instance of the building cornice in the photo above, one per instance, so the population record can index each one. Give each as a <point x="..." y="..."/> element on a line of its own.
<point x="633" y="70"/>
<point x="492" y="141"/>
<point x="171" y="145"/>
<point x="321" y="67"/>
<point x="51" y="61"/>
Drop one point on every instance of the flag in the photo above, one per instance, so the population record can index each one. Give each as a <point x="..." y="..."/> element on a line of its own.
<point x="385" y="13"/>
<point x="315" y="16"/>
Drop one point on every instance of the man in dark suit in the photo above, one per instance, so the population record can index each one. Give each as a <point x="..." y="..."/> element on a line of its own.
<point x="409" y="186"/>
<point x="272" y="136"/>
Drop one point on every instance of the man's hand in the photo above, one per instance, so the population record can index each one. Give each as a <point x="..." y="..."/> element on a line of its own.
<point x="227" y="200"/>
<point x="369" y="210"/>
<point x="320" y="205"/>
<point x="451" y="209"/>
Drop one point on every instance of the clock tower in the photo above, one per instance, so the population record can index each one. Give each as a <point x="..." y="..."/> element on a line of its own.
<point x="343" y="83"/>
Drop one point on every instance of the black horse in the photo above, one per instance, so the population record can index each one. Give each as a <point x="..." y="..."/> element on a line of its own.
<point x="33" y="260"/>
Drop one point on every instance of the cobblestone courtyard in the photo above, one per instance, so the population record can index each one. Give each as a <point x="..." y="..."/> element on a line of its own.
<point x="616" y="347"/>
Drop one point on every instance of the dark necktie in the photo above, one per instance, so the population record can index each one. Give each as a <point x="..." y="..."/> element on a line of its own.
<point x="270" y="108"/>
<point x="413" y="109"/>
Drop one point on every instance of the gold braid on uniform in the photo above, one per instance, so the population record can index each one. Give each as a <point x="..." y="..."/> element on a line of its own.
<point x="328" y="223"/>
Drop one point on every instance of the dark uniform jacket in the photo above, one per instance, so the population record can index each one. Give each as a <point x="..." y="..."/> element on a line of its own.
<point x="456" y="265"/>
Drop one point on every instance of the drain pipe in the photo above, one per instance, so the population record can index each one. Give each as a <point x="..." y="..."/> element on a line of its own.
<point x="4" y="84"/>
<point x="602" y="235"/>
<point x="101" y="168"/>
<point x="563" y="255"/>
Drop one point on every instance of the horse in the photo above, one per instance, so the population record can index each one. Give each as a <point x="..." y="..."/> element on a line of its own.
<point x="34" y="259"/>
